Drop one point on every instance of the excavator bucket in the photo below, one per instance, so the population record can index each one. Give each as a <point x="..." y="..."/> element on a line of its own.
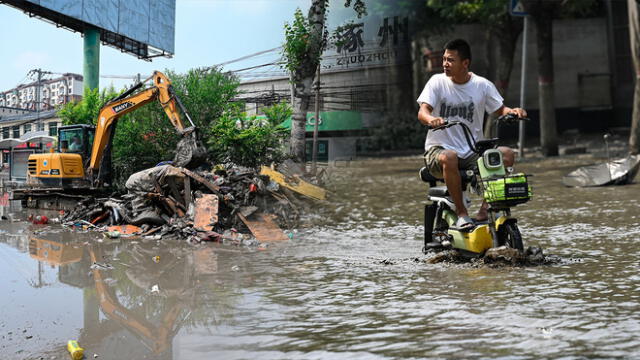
<point x="190" y="152"/>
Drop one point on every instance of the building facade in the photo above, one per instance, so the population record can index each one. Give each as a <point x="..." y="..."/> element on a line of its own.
<point x="15" y="130"/>
<point x="364" y="74"/>
<point x="53" y="92"/>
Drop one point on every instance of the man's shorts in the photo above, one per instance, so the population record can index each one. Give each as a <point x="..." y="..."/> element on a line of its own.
<point x="435" y="168"/>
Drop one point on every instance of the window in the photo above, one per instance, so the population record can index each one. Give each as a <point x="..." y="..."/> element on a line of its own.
<point x="40" y="126"/>
<point x="16" y="131"/>
<point x="5" y="132"/>
<point x="71" y="140"/>
<point x="53" y="128"/>
<point x="26" y="128"/>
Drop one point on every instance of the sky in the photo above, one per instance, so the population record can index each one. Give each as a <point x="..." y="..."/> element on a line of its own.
<point x="208" y="32"/>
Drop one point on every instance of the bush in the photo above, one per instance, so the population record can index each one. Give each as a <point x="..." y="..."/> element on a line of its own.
<point x="251" y="142"/>
<point x="278" y="113"/>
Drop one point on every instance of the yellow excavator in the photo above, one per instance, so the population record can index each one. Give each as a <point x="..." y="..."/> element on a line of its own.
<point x="83" y="161"/>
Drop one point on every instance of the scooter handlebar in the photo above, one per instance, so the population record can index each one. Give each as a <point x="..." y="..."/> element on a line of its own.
<point x="511" y="117"/>
<point x="447" y="124"/>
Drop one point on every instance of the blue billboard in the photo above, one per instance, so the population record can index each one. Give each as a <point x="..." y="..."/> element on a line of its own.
<point x="145" y="28"/>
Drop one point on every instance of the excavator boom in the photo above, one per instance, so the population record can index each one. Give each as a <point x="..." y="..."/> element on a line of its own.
<point x="161" y="91"/>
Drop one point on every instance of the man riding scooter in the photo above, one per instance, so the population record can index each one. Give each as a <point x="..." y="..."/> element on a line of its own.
<point x="458" y="94"/>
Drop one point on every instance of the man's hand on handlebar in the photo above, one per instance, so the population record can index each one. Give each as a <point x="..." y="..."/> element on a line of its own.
<point x="521" y="113"/>
<point x="511" y="118"/>
<point x="436" y="122"/>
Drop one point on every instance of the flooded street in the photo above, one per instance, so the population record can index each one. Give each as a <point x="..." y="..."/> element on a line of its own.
<point x="353" y="284"/>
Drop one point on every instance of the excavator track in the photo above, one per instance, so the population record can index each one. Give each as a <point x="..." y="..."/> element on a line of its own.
<point x="52" y="198"/>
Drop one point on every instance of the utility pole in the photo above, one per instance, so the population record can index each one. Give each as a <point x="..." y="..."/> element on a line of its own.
<point x="38" y="73"/>
<point x="314" y="157"/>
<point x="523" y="80"/>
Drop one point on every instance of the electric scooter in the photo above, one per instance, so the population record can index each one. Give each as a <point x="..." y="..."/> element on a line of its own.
<point x="498" y="186"/>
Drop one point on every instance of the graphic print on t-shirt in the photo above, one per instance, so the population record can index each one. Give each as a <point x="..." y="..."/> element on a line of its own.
<point x="463" y="110"/>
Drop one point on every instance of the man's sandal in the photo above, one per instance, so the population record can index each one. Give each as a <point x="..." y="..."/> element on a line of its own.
<point x="465" y="223"/>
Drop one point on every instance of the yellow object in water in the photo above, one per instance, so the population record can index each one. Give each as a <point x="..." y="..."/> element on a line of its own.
<point x="77" y="353"/>
<point x="295" y="183"/>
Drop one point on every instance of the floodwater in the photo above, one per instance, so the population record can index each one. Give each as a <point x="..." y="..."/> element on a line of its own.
<point x="353" y="284"/>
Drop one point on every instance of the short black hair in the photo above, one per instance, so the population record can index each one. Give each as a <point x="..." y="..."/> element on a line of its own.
<point x="461" y="46"/>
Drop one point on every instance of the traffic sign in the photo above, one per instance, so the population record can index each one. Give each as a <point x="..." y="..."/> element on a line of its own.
<point x="516" y="8"/>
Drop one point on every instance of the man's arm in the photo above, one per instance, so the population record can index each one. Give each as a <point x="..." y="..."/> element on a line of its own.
<point x="507" y="110"/>
<point x="425" y="117"/>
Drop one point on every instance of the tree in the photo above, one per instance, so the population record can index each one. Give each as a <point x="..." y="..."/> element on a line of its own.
<point x="543" y="12"/>
<point x="85" y="111"/>
<point x="305" y="40"/>
<point x="634" y="36"/>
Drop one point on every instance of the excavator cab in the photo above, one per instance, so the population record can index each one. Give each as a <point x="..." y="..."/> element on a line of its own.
<point x="76" y="139"/>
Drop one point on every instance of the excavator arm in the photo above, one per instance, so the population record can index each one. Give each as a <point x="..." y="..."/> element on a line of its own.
<point x="129" y="101"/>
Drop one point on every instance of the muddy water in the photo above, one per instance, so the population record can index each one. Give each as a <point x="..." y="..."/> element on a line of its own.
<point x="351" y="285"/>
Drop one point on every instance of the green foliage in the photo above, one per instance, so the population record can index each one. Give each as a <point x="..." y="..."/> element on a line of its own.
<point x="358" y="6"/>
<point x="86" y="111"/>
<point x="249" y="142"/>
<point x="142" y="139"/>
<point x="297" y="41"/>
<point x="278" y="113"/>
<point x="206" y="93"/>
<point x="493" y="12"/>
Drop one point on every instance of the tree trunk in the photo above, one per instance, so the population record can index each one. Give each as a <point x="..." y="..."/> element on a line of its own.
<point x="303" y="79"/>
<point x="548" y="131"/>
<point x="507" y="35"/>
<point x="634" y="36"/>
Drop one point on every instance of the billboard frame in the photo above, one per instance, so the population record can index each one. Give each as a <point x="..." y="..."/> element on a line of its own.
<point x="125" y="44"/>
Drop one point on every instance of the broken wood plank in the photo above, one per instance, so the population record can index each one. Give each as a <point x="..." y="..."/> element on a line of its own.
<point x="152" y="231"/>
<point x="206" y="212"/>
<point x="100" y="217"/>
<point x="201" y="180"/>
<point x="295" y="183"/>
<point x="187" y="192"/>
<point x="264" y="228"/>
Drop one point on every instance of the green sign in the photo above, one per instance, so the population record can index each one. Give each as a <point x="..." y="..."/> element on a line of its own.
<point x="332" y="121"/>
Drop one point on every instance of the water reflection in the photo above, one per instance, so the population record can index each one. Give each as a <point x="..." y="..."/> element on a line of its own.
<point x="328" y="293"/>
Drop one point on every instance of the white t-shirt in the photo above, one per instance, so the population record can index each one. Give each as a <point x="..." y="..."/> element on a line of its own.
<point x="463" y="102"/>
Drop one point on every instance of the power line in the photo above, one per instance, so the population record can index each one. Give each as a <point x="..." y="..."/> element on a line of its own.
<point x="246" y="57"/>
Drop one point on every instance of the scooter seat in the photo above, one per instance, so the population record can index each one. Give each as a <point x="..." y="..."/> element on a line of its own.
<point x="426" y="176"/>
<point x="439" y="191"/>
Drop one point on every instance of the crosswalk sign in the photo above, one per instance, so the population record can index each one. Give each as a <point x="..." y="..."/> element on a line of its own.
<point x="517" y="8"/>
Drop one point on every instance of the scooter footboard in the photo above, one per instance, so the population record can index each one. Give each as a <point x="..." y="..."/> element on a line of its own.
<point x="476" y="241"/>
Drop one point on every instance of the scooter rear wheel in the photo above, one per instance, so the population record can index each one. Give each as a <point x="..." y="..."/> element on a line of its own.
<point x="509" y="235"/>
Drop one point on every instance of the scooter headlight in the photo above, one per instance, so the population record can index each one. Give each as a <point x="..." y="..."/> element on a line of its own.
<point x="493" y="159"/>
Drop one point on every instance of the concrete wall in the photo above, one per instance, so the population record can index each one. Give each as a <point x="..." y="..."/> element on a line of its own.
<point x="581" y="66"/>
<point x="342" y="148"/>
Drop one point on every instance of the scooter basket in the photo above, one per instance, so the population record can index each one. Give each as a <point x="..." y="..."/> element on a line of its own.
<point x="507" y="191"/>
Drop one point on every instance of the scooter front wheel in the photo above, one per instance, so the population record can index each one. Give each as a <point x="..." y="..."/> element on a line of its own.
<point x="509" y="235"/>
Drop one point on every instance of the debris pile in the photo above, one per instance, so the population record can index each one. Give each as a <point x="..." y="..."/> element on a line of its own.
<point x="224" y="204"/>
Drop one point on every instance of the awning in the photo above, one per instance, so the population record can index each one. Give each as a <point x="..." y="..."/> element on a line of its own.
<point x="37" y="137"/>
<point x="28" y="137"/>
